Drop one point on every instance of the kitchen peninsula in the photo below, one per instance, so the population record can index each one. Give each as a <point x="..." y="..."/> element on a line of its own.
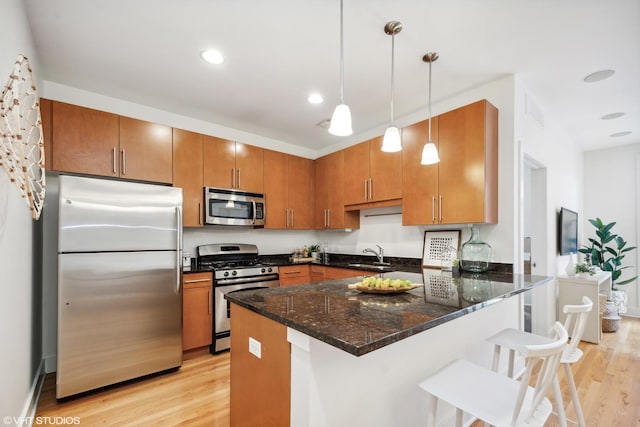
<point x="325" y="354"/>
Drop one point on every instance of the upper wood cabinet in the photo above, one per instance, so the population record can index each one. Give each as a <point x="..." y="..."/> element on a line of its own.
<point x="46" y="115"/>
<point x="85" y="140"/>
<point x="419" y="182"/>
<point x="330" y="212"/>
<point x="99" y="143"/>
<point x="466" y="179"/>
<point x="230" y="164"/>
<point x="187" y="174"/>
<point x="145" y="151"/>
<point x="289" y="191"/>
<point x="372" y="175"/>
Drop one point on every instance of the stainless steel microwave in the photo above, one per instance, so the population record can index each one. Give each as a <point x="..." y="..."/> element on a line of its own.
<point x="233" y="207"/>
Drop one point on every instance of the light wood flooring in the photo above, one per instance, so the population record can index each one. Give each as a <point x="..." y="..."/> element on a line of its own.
<point x="607" y="377"/>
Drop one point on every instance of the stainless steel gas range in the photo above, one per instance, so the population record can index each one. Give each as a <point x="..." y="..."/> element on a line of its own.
<point x="236" y="267"/>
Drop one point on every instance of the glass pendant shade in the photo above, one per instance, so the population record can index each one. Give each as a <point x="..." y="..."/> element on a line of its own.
<point x="429" y="154"/>
<point x="391" y="142"/>
<point x="341" y="121"/>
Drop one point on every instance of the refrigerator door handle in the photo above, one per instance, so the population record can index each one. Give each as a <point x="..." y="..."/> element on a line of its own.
<point x="178" y="247"/>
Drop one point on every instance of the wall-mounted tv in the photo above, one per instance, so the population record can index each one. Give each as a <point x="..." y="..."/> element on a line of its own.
<point x="567" y="232"/>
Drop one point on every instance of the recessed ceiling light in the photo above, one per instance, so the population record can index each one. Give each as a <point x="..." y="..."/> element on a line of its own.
<point x="619" y="134"/>
<point x="315" y="98"/>
<point x="212" y="56"/>
<point x="598" y="75"/>
<point x="612" y="116"/>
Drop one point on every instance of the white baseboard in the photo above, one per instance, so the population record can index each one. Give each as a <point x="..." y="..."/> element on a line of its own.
<point x="632" y="312"/>
<point x="50" y="364"/>
<point x="31" y="404"/>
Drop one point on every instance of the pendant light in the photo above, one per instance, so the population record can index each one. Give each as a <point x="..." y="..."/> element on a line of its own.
<point x="392" y="141"/>
<point x="430" y="151"/>
<point x="341" y="118"/>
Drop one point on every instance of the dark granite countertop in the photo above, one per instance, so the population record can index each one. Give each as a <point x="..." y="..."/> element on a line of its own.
<point x="359" y="323"/>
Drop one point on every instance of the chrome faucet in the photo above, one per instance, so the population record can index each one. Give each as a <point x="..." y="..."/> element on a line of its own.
<point x="379" y="255"/>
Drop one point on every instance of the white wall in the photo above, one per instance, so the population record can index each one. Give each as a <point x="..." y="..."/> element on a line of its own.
<point x="611" y="193"/>
<point x="551" y="148"/>
<point x="19" y="333"/>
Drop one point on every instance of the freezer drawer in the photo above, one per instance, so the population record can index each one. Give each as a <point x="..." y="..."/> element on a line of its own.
<point x="119" y="317"/>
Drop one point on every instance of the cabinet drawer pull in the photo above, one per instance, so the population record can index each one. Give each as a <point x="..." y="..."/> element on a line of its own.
<point x="440" y="208"/>
<point x="370" y="189"/>
<point x="115" y="160"/>
<point x="124" y="162"/>
<point x="196" y="281"/>
<point x="293" y="272"/>
<point x="233" y="177"/>
<point x="239" y="184"/>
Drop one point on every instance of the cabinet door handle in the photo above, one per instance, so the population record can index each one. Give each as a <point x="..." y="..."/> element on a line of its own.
<point x="233" y="177"/>
<point x="440" y="208"/>
<point x="199" y="214"/>
<point x="370" y="189"/>
<point x="115" y="160"/>
<point x="293" y="272"/>
<point x="433" y="209"/>
<point x="366" y="183"/>
<point x="328" y="218"/>
<point x="209" y="298"/>
<point x="239" y="184"/>
<point x="124" y="162"/>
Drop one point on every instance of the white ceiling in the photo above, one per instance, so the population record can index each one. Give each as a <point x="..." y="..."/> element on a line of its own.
<point x="279" y="51"/>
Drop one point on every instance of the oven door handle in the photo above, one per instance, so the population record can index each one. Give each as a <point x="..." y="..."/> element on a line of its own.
<point x="239" y="280"/>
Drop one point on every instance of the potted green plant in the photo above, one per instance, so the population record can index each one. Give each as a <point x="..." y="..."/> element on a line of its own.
<point x="607" y="251"/>
<point x="584" y="270"/>
<point x="314" y="249"/>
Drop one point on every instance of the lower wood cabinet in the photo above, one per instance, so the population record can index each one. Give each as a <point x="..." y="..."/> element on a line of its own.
<point x="294" y="275"/>
<point x="260" y="385"/>
<point x="332" y="273"/>
<point x="197" y="310"/>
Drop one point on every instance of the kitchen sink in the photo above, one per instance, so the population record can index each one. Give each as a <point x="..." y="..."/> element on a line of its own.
<point x="371" y="266"/>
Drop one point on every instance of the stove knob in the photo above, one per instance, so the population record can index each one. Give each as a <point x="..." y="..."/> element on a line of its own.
<point x="262" y="270"/>
<point x="270" y="270"/>
<point x="234" y="273"/>
<point x="226" y="273"/>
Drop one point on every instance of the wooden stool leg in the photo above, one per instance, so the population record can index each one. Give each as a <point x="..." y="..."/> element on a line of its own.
<point x="574" y="394"/>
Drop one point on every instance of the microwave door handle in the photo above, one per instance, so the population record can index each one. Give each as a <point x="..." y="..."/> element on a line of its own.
<point x="254" y="211"/>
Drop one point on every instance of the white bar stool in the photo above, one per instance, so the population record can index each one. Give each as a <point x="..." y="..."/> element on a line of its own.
<point x="514" y="340"/>
<point x="497" y="399"/>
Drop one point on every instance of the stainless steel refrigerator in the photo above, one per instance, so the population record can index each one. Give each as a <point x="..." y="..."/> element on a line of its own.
<point x="119" y="295"/>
